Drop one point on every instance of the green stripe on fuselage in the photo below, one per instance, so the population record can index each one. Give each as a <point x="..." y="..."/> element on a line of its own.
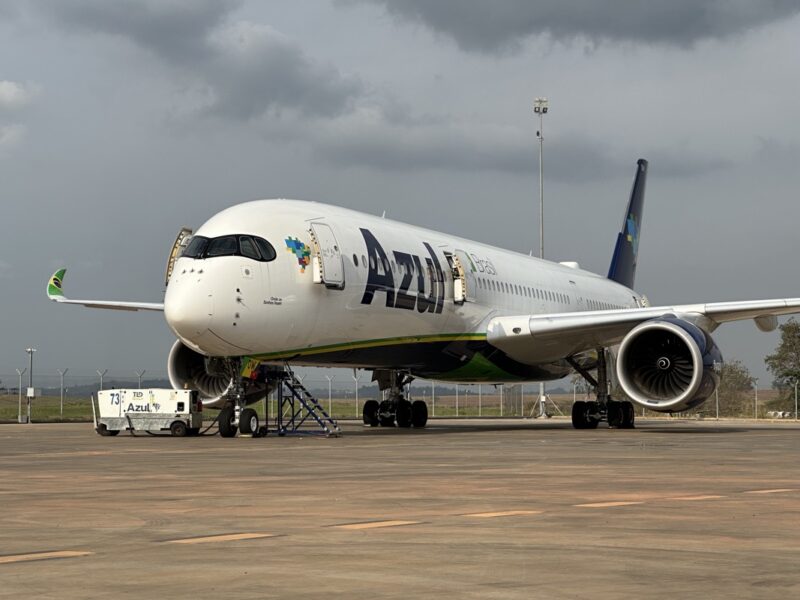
<point x="479" y="368"/>
<point x="364" y="344"/>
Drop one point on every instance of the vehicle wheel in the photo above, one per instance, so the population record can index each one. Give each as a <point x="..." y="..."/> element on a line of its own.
<point x="179" y="429"/>
<point x="419" y="413"/>
<point x="615" y="414"/>
<point x="370" y="413"/>
<point x="385" y="414"/>
<point x="248" y="422"/>
<point x="194" y="431"/>
<point x="105" y="431"/>
<point x="225" y="422"/>
<point x="579" y="420"/>
<point x="403" y="415"/>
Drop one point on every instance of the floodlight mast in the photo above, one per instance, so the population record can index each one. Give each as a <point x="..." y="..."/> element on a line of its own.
<point x="540" y="107"/>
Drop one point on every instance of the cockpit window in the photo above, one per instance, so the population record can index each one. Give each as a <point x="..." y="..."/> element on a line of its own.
<point x="222" y="246"/>
<point x="196" y="247"/>
<point x="249" y="246"/>
<point x="267" y="251"/>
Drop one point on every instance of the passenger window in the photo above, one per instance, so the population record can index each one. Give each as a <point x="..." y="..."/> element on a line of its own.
<point x="222" y="246"/>
<point x="248" y="248"/>
<point x="355" y="260"/>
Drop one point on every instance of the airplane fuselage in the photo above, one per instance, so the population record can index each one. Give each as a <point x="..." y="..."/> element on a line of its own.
<point x="388" y="294"/>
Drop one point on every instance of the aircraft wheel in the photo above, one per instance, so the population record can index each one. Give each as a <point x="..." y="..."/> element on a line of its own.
<point x="385" y="414"/>
<point x="403" y="413"/>
<point x="194" y="431"/>
<point x="225" y="422"/>
<point x="248" y="422"/>
<point x="419" y="413"/>
<point x="178" y="429"/>
<point x="615" y="414"/>
<point x="628" y="415"/>
<point x="370" y="413"/>
<point x="579" y="420"/>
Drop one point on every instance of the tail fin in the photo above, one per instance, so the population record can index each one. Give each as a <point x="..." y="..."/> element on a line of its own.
<point x="623" y="263"/>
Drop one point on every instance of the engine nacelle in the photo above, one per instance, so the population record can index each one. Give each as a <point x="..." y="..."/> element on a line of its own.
<point x="211" y="377"/>
<point x="668" y="365"/>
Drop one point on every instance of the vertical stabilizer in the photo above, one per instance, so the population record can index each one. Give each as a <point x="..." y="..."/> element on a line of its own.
<point x="623" y="263"/>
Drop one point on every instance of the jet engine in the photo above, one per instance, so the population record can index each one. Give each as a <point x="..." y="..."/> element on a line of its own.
<point x="668" y="365"/>
<point x="212" y="377"/>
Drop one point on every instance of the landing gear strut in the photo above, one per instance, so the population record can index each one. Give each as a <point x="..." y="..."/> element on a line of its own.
<point x="396" y="408"/>
<point x="588" y="414"/>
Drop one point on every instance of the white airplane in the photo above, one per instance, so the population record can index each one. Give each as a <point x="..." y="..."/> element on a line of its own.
<point x="285" y="282"/>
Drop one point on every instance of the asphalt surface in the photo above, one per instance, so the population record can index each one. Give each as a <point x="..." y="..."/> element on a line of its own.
<point x="477" y="509"/>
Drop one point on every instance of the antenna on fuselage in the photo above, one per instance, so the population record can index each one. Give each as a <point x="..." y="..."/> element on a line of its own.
<point x="383" y="216"/>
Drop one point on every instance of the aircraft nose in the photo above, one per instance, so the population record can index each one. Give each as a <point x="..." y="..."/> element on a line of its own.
<point x="188" y="315"/>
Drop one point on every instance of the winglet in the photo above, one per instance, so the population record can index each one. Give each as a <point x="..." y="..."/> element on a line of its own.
<point x="54" y="291"/>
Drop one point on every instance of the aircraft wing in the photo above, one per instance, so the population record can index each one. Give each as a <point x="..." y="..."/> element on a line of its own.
<point x="55" y="293"/>
<point x="543" y="338"/>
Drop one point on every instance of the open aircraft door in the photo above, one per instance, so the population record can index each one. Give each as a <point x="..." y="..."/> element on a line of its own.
<point x="464" y="282"/>
<point x="326" y="262"/>
<point x="181" y="241"/>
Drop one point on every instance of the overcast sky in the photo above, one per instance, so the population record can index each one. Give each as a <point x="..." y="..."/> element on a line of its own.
<point x="122" y="121"/>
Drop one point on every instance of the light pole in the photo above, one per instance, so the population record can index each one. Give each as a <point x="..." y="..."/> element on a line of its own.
<point x="139" y="375"/>
<point x="330" y="379"/>
<point x="356" y="377"/>
<point x="540" y="107"/>
<point x="101" y="374"/>
<point x="755" y="403"/>
<point x="61" y="374"/>
<point x="19" y="390"/>
<point x="30" y="352"/>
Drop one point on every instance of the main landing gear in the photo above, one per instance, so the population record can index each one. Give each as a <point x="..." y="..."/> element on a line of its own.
<point x="589" y="414"/>
<point x="396" y="408"/>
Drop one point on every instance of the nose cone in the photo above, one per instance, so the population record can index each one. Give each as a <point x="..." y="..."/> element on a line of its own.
<point x="188" y="312"/>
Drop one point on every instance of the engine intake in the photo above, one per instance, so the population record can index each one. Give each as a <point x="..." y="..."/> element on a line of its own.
<point x="668" y="365"/>
<point x="211" y="377"/>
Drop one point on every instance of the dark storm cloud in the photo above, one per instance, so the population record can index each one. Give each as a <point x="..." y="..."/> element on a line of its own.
<point x="480" y="26"/>
<point x="249" y="69"/>
<point x="442" y="148"/>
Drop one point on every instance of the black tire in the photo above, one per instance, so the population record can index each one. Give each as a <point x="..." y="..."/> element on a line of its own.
<point x="579" y="420"/>
<point x="403" y="416"/>
<point x="370" y="413"/>
<point x="615" y="414"/>
<point x="194" y="431"/>
<point x="178" y="429"/>
<point x="385" y="414"/>
<point x="105" y="431"/>
<point x="225" y="422"/>
<point x="419" y="413"/>
<point x="628" y="415"/>
<point x="248" y="422"/>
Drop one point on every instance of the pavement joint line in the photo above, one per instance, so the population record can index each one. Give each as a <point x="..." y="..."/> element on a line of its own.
<point x="692" y="498"/>
<point x="34" y="556"/>
<point x="774" y="491"/>
<point x="374" y="524"/>
<point x="503" y="513"/>
<point x="226" y="537"/>
<point x="609" y="504"/>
